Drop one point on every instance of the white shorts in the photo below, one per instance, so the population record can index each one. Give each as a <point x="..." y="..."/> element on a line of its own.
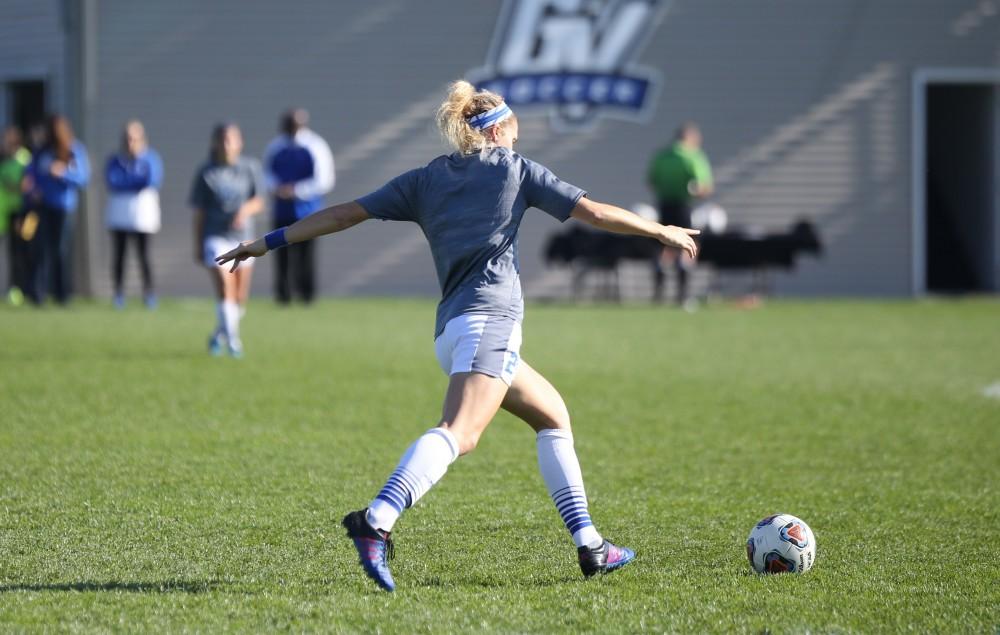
<point x="477" y="343"/>
<point x="215" y="246"/>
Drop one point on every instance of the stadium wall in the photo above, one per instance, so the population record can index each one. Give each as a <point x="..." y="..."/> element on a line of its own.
<point x="805" y="108"/>
<point x="32" y="48"/>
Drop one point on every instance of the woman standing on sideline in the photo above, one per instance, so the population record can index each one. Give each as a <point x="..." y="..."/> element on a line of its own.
<point x="469" y="205"/>
<point x="228" y="191"/>
<point x="56" y="176"/>
<point x="133" y="176"/>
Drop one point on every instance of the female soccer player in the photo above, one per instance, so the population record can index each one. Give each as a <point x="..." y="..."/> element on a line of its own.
<point x="228" y="191"/>
<point x="469" y="205"/>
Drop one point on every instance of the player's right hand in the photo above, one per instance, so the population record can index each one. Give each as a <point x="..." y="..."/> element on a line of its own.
<point x="247" y="249"/>
<point x="680" y="237"/>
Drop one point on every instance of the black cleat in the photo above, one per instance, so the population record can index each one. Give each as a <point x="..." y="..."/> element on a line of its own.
<point x="603" y="559"/>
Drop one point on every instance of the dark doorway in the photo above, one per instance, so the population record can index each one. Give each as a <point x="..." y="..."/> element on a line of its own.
<point x="960" y="215"/>
<point x="26" y="103"/>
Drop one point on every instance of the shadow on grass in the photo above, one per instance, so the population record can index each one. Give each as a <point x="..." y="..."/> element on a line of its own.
<point x="494" y="582"/>
<point x="109" y="355"/>
<point x="167" y="586"/>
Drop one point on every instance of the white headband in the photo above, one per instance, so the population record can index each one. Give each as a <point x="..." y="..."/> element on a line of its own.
<point x="491" y="117"/>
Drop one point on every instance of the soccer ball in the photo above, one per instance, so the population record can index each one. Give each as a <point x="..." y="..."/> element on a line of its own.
<point x="781" y="543"/>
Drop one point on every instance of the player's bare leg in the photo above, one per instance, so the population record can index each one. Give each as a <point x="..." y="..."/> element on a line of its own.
<point x="244" y="275"/>
<point x="536" y="401"/>
<point x="471" y="402"/>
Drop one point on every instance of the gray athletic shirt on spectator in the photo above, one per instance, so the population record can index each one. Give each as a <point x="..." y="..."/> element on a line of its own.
<point x="220" y="189"/>
<point x="469" y="207"/>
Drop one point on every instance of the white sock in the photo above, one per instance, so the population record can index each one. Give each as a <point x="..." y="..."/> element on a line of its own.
<point x="561" y="472"/>
<point x="423" y="464"/>
<point x="243" y="311"/>
<point x="231" y="315"/>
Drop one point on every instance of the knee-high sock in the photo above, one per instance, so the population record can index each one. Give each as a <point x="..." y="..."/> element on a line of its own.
<point x="231" y="317"/>
<point x="561" y="472"/>
<point x="423" y="464"/>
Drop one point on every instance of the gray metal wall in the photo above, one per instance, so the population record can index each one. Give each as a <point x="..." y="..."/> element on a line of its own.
<point x="805" y="107"/>
<point x="32" y="45"/>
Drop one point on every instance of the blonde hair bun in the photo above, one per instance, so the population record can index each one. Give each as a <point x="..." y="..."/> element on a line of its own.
<point x="464" y="101"/>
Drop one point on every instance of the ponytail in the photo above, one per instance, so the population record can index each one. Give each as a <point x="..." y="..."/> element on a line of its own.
<point x="453" y="116"/>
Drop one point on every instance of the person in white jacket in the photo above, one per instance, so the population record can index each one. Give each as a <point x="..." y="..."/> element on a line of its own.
<point x="133" y="176"/>
<point x="298" y="168"/>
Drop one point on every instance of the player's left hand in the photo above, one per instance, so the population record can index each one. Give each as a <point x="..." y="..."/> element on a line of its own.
<point x="681" y="237"/>
<point x="247" y="249"/>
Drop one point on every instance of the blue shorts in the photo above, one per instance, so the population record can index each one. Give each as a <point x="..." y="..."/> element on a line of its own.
<point x="475" y="343"/>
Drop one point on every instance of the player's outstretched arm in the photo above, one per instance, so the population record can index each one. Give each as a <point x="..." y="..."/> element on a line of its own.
<point x="621" y="221"/>
<point x="326" y="221"/>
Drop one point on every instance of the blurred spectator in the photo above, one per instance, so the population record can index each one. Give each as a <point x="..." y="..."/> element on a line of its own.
<point x="14" y="160"/>
<point x="679" y="175"/>
<point x="134" y="176"/>
<point x="57" y="174"/>
<point x="29" y="247"/>
<point x="226" y="194"/>
<point x="37" y="137"/>
<point x="299" y="169"/>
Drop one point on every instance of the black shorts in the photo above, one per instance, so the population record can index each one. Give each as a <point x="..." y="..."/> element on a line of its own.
<point x="672" y="213"/>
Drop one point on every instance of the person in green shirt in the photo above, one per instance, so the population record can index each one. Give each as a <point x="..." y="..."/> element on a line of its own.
<point x="14" y="160"/>
<point x="679" y="175"/>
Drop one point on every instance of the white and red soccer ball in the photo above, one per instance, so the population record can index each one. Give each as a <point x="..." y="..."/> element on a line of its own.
<point x="781" y="543"/>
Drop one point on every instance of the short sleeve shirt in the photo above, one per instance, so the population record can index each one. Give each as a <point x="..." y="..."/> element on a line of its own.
<point x="470" y="207"/>
<point x="674" y="168"/>
<point x="219" y="190"/>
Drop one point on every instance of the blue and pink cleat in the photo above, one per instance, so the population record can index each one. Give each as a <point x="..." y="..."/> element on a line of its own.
<point x="604" y="559"/>
<point x="374" y="547"/>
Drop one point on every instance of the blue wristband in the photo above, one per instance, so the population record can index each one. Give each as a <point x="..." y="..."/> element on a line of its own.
<point x="275" y="239"/>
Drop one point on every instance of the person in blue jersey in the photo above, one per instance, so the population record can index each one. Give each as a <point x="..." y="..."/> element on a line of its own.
<point x="227" y="193"/>
<point x="133" y="176"/>
<point x="55" y="177"/>
<point x="469" y="205"/>
<point x="298" y="166"/>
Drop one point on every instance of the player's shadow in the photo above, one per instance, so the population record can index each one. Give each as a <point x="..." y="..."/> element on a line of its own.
<point x="166" y="586"/>
<point x="495" y="583"/>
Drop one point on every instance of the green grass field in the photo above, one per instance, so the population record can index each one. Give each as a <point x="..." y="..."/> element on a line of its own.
<point x="145" y="486"/>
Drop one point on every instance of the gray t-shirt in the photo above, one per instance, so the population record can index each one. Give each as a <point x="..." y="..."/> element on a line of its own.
<point x="469" y="207"/>
<point x="220" y="189"/>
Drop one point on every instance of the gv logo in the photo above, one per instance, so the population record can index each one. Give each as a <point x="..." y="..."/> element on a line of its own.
<point x="573" y="56"/>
